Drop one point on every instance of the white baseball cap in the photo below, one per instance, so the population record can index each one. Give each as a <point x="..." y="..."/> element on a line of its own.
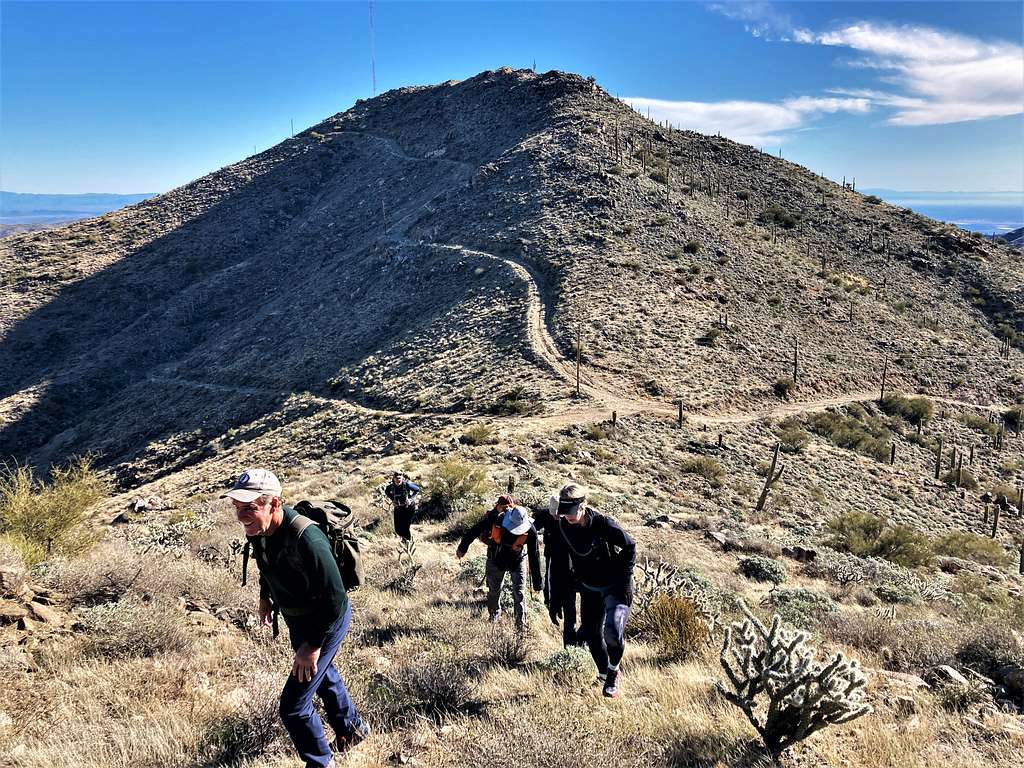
<point x="252" y="484"/>
<point x="517" y="521"/>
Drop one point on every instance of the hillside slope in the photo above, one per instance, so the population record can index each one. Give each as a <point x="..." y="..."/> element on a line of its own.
<point x="387" y="257"/>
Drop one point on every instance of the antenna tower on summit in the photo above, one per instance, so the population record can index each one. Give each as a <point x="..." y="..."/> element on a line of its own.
<point x="373" y="60"/>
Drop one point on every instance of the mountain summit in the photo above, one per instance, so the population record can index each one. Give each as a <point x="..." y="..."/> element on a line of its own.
<point x="441" y="250"/>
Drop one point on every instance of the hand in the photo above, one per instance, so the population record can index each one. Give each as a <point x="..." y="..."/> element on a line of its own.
<point x="460" y="553"/>
<point x="266" y="610"/>
<point x="304" y="666"/>
<point x="554" y="613"/>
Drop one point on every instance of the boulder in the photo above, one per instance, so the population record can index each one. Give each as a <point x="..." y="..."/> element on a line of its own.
<point x="1011" y="677"/>
<point x="12" y="579"/>
<point x="11" y="612"/>
<point x="45" y="613"/>
<point x="945" y="675"/>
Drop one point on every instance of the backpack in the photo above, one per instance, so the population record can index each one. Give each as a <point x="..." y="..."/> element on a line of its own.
<point x="495" y="536"/>
<point x="336" y="520"/>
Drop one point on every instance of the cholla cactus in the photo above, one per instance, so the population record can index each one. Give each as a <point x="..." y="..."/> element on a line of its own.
<point x="801" y="695"/>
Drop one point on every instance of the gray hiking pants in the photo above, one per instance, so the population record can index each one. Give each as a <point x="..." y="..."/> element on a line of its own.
<point x="495" y="579"/>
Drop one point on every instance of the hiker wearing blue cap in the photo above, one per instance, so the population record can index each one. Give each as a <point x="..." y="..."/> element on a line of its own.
<point x="511" y="541"/>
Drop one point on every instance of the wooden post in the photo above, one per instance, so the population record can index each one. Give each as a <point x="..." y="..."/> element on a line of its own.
<point x="511" y="483"/>
<point x="938" y="460"/>
<point x="770" y="479"/>
<point x="885" y="371"/>
<point x="892" y="455"/>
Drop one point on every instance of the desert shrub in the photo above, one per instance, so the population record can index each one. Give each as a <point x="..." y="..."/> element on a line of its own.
<point x="247" y="732"/>
<point x="905" y="645"/>
<point x="957" y="697"/>
<point x="867" y="535"/>
<point x="915" y="410"/>
<point x="518" y="401"/>
<point x="506" y="647"/>
<point x="857" y="432"/>
<point x="691" y="246"/>
<point x="40" y="519"/>
<point x="971" y="546"/>
<point x="131" y="627"/>
<point x="792" y="437"/>
<point x="459" y="525"/>
<point x="454" y="486"/>
<point x="473" y="569"/>
<point x="895" y="593"/>
<point x="479" y="434"/>
<point x="763" y="569"/>
<point x="597" y="432"/>
<point x="674" y="622"/>
<point x="964" y="478"/>
<point x="742" y="195"/>
<point x="980" y="423"/>
<point x="801" y="607"/>
<point x="989" y="646"/>
<point x="706" y="467"/>
<point x="783" y="388"/>
<point x="710" y="338"/>
<point x="873" y="199"/>
<point x="437" y="684"/>
<point x="570" y="666"/>
<point x="778" y="215"/>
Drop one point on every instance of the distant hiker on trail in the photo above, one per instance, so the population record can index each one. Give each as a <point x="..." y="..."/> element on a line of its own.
<point x="601" y="556"/>
<point x="405" y="495"/>
<point x="299" y="578"/>
<point x="511" y="540"/>
<point x="560" y="588"/>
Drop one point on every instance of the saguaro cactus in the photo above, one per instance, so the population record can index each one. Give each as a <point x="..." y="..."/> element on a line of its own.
<point x="771" y="479"/>
<point x="771" y="668"/>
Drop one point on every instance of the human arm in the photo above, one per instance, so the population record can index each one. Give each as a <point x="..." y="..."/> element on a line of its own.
<point x="473" y="533"/>
<point x="533" y="553"/>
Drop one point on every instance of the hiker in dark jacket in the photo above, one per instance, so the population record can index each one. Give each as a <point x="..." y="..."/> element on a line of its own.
<point x="405" y="495"/>
<point x="511" y="541"/>
<point x="560" y="588"/>
<point x="601" y="556"/>
<point x="299" y="579"/>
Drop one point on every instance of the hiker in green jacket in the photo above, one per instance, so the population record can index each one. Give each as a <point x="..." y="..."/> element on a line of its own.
<point x="299" y="578"/>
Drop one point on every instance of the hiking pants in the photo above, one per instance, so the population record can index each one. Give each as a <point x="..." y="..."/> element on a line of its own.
<point x="603" y="622"/>
<point x="403" y="519"/>
<point x="495" y="579"/>
<point x="297" y="710"/>
<point x="560" y="598"/>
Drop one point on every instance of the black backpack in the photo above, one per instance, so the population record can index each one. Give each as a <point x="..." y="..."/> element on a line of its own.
<point x="336" y="520"/>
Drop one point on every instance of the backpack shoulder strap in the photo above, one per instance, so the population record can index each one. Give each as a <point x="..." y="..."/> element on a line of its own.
<point x="299" y="524"/>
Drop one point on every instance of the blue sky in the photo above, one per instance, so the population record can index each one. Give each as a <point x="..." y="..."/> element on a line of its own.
<point x="145" y="96"/>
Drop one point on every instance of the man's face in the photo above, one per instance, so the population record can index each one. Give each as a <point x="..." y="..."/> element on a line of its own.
<point x="502" y="507"/>
<point x="255" y="516"/>
<point x="576" y="517"/>
<point x="397" y="480"/>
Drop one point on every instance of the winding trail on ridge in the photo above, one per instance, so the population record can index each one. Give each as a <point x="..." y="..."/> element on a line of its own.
<point x="599" y="397"/>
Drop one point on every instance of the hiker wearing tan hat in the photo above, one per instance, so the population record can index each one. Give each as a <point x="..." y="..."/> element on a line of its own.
<point x="511" y="541"/>
<point x="600" y="556"/>
<point x="299" y="577"/>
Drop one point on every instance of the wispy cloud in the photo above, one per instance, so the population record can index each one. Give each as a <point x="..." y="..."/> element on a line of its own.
<point x="945" y="77"/>
<point x="752" y="122"/>
<point x="938" y="76"/>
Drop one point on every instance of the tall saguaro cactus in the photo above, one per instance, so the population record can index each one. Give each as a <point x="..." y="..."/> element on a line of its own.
<point x="772" y="669"/>
<point x="771" y="479"/>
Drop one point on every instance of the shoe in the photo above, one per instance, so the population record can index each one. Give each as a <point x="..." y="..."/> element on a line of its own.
<point x="601" y="677"/>
<point x="344" y="742"/>
<point x="494" y="617"/>
<point x="611" y="684"/>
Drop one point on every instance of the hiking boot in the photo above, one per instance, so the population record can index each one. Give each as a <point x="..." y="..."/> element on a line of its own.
<point x="494" y="617"/>
<point x="611" y="684"/>
<point x="343" y="742"/>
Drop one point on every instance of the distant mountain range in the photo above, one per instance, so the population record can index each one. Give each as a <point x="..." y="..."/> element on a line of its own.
<point x="992" y="213"/>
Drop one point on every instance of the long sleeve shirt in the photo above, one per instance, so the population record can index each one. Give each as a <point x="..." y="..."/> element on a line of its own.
<point x="402" y="495"/>
<point x="300" y="577"/>
<point x="601" y="554"/>
<point x="503" y="553"/>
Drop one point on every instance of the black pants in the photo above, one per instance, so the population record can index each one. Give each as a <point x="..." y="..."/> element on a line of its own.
<point x="603" y="615"/>
<point x="403" y="519"/>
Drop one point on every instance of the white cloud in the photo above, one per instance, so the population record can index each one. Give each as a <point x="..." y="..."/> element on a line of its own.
<point x="752" y="122"/>
<point x="946" y="77"/>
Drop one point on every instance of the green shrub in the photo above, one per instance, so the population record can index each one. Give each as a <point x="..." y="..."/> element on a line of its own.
<point x="710" y="338"/>
<point x="915" y="410"/>
<point x="792" y="437"/>
<point x="692" y="246"/>
<point x="988" y="647"/>
<point x="743" y="195"/>
<point x="905" y="645"/>
<point x="783" y="387"/>
<point x="479" y="434"/>
<point x="895" y="593"/>
<point x="506" y="647"/>
<point x="803" y="608"/>
<point x="518" y="402"/>
<point x="597" y="432"/>
<point x="873" y="199"/>
<point x="1014" y="418"/>
<point x="763" y="569"/>
<point x="437" y="684"/>
<point x="675" y="623"/>
<point x="42" y="519"/>
<point x="971" y="546"/>
<point x="454" y="487"/>
<point x="705" y="467"/>
<point x="776" y="214"/>
<point x="572" y="666"/>
<point x="980" y="423"/>
<point x="867" y="535"/>
<point x="858" y="432"/>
